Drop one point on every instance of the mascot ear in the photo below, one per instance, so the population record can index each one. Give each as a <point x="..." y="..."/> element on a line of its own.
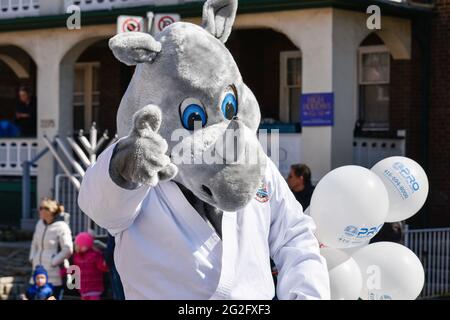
<point x="218" y="17"/>
<point x="132" y="48"/>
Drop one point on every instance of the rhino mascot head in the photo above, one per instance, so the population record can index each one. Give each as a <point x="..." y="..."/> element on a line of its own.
<point x="206" y="114"/>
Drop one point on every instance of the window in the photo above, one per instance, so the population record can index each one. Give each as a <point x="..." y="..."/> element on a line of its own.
<point x="374" y="79"/>
<point x="86" y="99"/>
<point x="290" y="85"/>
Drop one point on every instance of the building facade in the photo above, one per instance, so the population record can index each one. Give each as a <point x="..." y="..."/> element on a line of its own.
<point x="389" y="88"/>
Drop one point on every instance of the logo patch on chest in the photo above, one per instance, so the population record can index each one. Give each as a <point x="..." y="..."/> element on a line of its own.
<point x="262" y="194"/>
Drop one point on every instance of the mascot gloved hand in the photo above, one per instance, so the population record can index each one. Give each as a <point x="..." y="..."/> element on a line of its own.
<point x="191" y="219"/>
<point x="141" y="158"/>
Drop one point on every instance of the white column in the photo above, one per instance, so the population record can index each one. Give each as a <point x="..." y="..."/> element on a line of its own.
<point x="49" y="113"/>
<point x="348" y="31"/>
<point x="54" y="101"/>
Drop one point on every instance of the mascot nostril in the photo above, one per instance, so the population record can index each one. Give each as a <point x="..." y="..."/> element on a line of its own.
<point x="196" y="215"/>
<point x="207" y="190"/>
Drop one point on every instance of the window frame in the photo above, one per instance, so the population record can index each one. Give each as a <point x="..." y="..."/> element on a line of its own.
<point x="367" y="50"/>
<point x="284" y="87"/>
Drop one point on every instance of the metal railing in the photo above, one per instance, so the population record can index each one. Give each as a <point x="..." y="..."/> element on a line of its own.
<point x="432" y="246"/>
<point x="368" y="151"/>
<point x="27" y="166"/>
<point x="67" y="184"/>
<point x="19" y="8"/>
<point x="67" y="194"/>
<point x="13" y="152"/>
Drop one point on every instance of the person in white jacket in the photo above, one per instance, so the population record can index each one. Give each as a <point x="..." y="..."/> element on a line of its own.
<point x="203" y="220"/>
<point x="52" y="242"/>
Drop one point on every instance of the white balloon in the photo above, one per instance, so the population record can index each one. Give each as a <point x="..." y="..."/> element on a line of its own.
<point x="344" y="273"/>
<point x="407" y="186"/>
<point x="390" y="271"/>
<point x="352" y="250"/>
<point x="349" y="206"/>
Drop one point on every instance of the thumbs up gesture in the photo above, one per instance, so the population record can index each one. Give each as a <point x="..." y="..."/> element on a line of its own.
<point x="140" y="158"/>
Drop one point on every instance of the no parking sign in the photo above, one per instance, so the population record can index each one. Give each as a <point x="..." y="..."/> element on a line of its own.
<point x="163" y="20"/>
<point x="130" y="24"/>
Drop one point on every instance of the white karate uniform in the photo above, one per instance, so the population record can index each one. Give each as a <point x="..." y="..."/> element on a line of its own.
<point x="165" y="250"/>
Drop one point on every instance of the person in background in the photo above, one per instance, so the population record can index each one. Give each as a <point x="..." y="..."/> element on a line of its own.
<point x="51" y="244"/>
<point x="392" y="232"/>
<point x="92" y="266"/>
<point x="41" y="289"/>
<point x="26" y="116"/>
<point x="299" y="181"/>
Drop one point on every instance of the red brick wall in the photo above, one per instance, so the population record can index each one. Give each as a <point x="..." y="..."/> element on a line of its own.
<point x="439" y="122"/>
<point x="406" y="101"/>
<point x="400" y="93"/>
<point x="406" y="109"/>
<point x="406" y="112"/>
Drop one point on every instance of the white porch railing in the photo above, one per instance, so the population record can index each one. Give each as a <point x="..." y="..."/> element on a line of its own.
<point x="368" y="151"/>
<point x="432" y="246"/>
<point x="13" y="152"/>
<point x="19" y="8"/>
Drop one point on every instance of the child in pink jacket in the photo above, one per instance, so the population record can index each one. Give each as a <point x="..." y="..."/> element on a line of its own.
<point x="92" y="266"/>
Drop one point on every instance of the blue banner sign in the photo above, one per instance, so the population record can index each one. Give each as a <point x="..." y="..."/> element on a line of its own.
<point x="317" y="109"/>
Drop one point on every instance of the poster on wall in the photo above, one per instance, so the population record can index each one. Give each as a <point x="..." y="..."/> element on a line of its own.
<point x="317" y="109"/>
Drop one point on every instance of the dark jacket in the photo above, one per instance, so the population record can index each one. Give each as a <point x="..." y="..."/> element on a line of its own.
<point x="392" y="232"/>
<point x="304" y="196"/>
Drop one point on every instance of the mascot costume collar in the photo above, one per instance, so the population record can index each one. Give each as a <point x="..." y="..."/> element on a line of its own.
<point x="187" y="228"/>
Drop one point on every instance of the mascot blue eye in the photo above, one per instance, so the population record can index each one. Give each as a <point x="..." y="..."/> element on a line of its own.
<point x="229" y="106"/>
<point x="191" y="111"/>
